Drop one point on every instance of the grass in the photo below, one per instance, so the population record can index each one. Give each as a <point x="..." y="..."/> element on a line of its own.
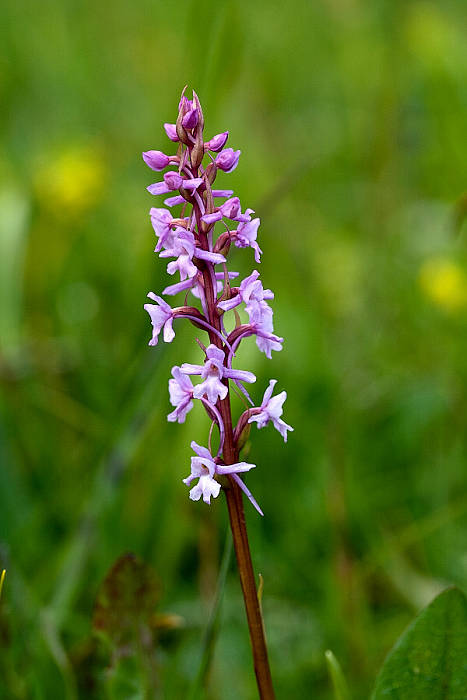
<point x="351" y="120"/>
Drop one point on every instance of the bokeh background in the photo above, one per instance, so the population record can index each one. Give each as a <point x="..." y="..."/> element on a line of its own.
<point x="351" y="116"/>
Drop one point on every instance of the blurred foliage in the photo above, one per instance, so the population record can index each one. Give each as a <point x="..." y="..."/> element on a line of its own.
<point x="351" y="119"/>
<point x="125" y="620"/>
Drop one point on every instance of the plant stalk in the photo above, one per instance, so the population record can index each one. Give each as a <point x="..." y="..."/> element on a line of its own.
<point x="236" y="511"/>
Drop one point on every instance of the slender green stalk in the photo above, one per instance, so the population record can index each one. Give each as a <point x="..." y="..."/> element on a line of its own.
<point x="212" y="628"/>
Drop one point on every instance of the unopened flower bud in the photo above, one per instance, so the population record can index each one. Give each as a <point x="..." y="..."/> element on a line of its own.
<point x="184" y="104"/>
<point x="156" y="159"/>
<point x="217" y="142"/>
<point x="228" y="160"/>
<point x="223" y="244"/>
<point x="243" y="437"/>
<point x="171" y="131"/>
<point x="190" y="119"/>
<point x="197" y="152"/>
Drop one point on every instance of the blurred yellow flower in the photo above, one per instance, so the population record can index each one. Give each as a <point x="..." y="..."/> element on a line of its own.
<point x="72" y="181"/>
<point x="429" y="33"/>
<point x="444" y="283"/>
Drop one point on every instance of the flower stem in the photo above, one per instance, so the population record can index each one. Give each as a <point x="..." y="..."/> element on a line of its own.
<point x="234" y="494"/>
<point x="250" y="596"/>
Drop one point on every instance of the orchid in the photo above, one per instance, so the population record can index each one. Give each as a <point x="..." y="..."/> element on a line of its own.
<point x="156" y="160"/>
<point x="271" y="410"/>
<point x="228" y="160"/>
<point x="213" y="371"/>
<point x="205" y="469"/>
<point x="181" y="395"/>
<point x="161" y="317"/>
<point x="231" y="209"/>
<point x="163" y="224"/>
<point x="246" y="236"/>
<point x="197" y="250"/>
<point x="252" y="294"/>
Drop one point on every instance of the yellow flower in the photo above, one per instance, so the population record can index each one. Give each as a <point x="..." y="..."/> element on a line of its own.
<point x="444" y="283"/>
<point x="71" y="182"/>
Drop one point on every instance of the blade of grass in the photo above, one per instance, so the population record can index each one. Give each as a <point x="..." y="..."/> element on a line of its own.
<point x="339" y="684"/>
<point x="212" y="629"/>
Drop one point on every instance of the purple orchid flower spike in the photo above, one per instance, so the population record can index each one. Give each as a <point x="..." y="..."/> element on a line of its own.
<point x="271" y="410"/>
<point x="200" y="255"/>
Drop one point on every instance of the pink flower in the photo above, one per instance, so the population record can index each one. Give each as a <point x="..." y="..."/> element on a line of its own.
<point x="174" y="181"/>
<point x="181" y="396"/>
<point x="217" y="142"/>
<point x="213" y="371"/>
<point x="228" y="160"/>
<point x="246" y="236"/>
<point x="265" y="338"/>
<point x="271" y="410"/>
<point x="156" y="159"/>
<point x="184" y="249"/>
<point x="161" y="317"/>
<point x="231" y="209"/>
<point x="190" y="113"/>
<point x="171" y="131"/>
<point x="252" y="293"/>
<point x="205" y="468"/>
<point x="162" y="223"/>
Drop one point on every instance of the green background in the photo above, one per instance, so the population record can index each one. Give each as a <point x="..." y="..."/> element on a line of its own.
<point x="351" y="116"/>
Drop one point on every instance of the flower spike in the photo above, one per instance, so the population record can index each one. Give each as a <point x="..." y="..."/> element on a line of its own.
<point x="199" y="253"/>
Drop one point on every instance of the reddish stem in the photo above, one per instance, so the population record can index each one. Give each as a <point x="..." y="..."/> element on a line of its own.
<point x="235" y="502"/>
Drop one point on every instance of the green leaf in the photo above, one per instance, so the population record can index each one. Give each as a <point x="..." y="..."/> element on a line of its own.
<point x="430" y="658"/>
<point x="339" y="684"/>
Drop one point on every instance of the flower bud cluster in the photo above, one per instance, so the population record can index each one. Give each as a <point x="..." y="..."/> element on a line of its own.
<point x="188" y="238"/>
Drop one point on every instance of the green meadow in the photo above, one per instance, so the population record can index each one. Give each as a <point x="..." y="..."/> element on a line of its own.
<point x="351" y="117"/>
